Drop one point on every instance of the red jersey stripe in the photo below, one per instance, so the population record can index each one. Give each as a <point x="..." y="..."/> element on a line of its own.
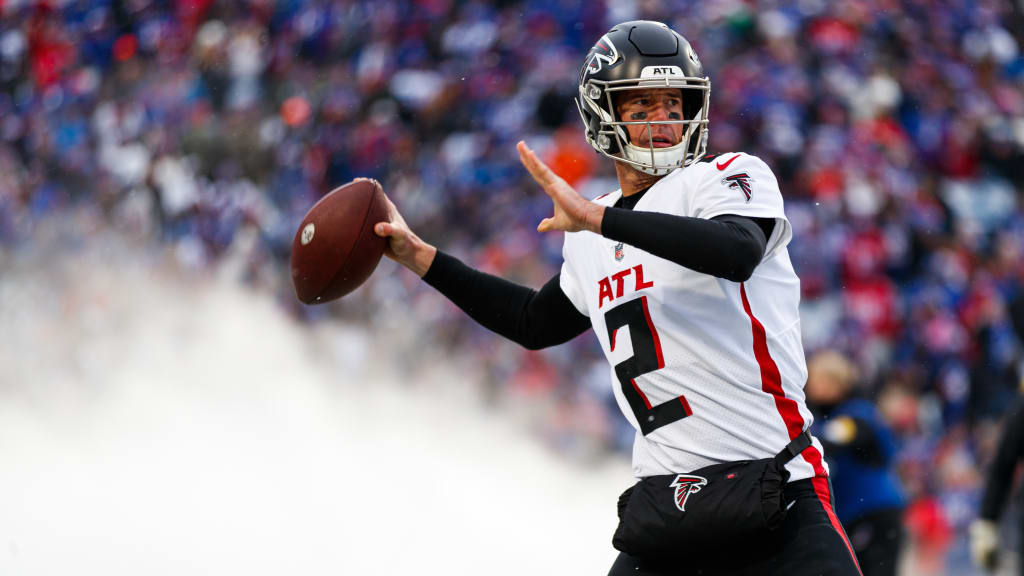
<point x="771" y="382"/>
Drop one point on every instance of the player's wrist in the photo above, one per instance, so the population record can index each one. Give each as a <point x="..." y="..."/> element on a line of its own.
<point x="593" y="217"/>
<point x="422" y="258"/>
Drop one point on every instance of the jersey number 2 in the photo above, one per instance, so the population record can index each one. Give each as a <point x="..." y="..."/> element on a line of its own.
<point x="646" y="358"/>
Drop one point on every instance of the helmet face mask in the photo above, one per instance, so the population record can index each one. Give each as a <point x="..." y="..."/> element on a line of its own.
<point x="644" y="56"/>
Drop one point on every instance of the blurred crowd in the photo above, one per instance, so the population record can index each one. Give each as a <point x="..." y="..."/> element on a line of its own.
<point x="896" y="128"/>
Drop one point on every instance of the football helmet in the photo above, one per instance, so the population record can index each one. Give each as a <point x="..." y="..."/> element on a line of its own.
<point x="642" y="55"/>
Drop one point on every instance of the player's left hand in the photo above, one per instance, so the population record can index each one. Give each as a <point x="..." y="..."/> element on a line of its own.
<point x="573" y="212"/>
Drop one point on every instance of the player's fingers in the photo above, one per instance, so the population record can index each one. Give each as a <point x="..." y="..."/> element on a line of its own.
<point x="539" y="170"/>
<point x="552" y="224"/>
<point x="385" y="229"/>
<point x="528" y="159"/>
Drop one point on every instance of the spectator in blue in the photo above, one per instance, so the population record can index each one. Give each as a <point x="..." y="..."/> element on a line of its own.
<point x="859" y="449"/>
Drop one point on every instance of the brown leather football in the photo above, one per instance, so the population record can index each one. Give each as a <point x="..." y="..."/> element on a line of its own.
<point x="335" y="249"/>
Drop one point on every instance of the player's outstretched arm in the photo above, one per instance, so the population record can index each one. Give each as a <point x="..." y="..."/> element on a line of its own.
<point x="531" y="318"/>
<point x="404" y="246"/>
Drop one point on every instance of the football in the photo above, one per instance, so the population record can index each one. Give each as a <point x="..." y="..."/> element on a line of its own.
<point x="335" y="249"/>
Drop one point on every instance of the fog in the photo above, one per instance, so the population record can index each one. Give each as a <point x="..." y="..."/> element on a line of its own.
<point x="154" y="421"/>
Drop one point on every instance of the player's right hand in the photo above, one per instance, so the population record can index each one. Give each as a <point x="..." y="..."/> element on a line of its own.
<point x="572" y="212"/>
<point x="984" y="544"/>
<point x="404" y="246"/>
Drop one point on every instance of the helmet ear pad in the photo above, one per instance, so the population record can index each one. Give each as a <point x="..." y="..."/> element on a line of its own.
<point x="693" y="104"/>
<point x="693" y="108"/>
<point x="593" y="115"/>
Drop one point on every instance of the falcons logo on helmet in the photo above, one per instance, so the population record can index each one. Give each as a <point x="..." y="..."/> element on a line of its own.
<point x="685" y="485"/>
<point x="603" y="51"/>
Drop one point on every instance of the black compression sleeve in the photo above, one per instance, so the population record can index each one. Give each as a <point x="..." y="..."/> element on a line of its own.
<point x="1008" y="454"/>
<point x="728" y="246"/>
<point x="532" y="319"/>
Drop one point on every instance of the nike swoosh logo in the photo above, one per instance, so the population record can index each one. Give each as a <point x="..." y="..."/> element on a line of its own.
<point x="721" y="166"/>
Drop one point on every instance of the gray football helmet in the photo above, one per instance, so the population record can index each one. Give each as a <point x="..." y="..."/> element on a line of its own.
<point x="642" y="55"/>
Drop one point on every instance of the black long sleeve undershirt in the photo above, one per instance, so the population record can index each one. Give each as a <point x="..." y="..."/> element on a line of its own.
<point x="728" y="246"/>
<point x="530" y="318"/>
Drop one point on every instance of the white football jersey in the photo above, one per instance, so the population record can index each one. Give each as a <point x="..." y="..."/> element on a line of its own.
<point x="707" y="370"/>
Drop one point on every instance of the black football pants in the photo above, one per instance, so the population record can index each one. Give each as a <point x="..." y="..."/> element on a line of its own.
<point x="812" y="543"/>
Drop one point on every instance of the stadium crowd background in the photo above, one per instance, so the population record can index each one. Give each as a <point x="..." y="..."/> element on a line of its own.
<point x="896" y="128"/>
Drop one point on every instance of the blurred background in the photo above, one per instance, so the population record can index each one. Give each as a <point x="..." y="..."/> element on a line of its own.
<point x="156" y="158"/>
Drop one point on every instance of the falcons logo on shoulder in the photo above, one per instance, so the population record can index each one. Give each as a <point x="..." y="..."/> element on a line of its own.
<point x="741" y="181"/>
<point x="686" y="484"/>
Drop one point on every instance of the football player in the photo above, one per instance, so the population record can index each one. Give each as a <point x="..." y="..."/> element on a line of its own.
<point x="684" y="276"/>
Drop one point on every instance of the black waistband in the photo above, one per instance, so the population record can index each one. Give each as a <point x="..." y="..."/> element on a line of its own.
<point x="796" y="446"/>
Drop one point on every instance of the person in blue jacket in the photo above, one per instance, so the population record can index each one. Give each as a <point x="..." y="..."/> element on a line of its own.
<point x="859" y="449"/>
